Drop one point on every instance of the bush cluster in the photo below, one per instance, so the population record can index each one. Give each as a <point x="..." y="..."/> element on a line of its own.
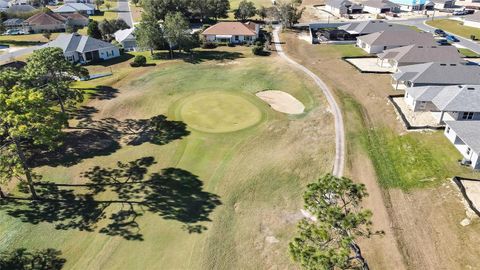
<point x="139" y="61"/>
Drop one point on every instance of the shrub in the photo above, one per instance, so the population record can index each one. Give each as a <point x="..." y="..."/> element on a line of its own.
<point x="259" y="43"/>
<point x="230" y="44"/>
<point x="257" y="50"/>
<point x="139" y="61"/>
<point x="209" y="45"/>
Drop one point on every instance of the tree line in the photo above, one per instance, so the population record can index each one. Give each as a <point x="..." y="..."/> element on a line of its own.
<point x="33" y="110"/>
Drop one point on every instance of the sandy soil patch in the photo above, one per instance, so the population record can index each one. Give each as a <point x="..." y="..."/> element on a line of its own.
<point x="369" y="65"/>
<point x="281" y="101"/>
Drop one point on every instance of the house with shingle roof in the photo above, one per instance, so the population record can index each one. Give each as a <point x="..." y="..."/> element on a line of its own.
<point x="76" y="19"/>
<point x="464" y="136"/>
<point x="14" y="23"/>
<point x="418" y="54"/>
<point x="436" y="74"/>
<point x="389" y="39"/>
<point x="232" y="32"/>
<point x="369" y="27"/>
<point x="343" y="7"/>
<point x="18" y="9"/>
<point x="127" y="39"/>
<point x="46" y="22"/>
<point x="380" y="6"/>
<point x="84" y="49"/>
<point x="82" y="8"/>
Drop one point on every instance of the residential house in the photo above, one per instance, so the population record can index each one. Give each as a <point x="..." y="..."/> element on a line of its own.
<point x="19" y="2"/>
<point x="368" y="27"/>
<point x="14" y="23"/>
<point x="384" y="40"/>
<point x="417" y="54"/>
<point x="84" y="49"/>
<point x="436" y="74"/>
<point x="3" y="5"/>
<point x="342" y="7"/>
<point x="452" y="102"/>
<point x="472" y="20"/>
<point x="80" y="1"/>
<point x="76" y="19"/>
<point x="443" y="4"/>
<point x="46" y="22"/>
<point x="85" y="9"/>
<point x="19" y="9"/>
<point x="127" y="39"/>
<point x="232" y="32"/>
<point x="413" y="5"/>
<point x="464" y="136"/>
<point x="380" y="6"/>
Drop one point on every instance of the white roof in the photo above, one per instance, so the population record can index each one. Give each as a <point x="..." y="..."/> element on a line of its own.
<point x="74" y="7"/>
<point x="124" y="34"/>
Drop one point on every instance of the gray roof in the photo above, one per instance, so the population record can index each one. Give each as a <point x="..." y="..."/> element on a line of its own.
<point x="422" y="54"/>
<point x="452" y="98"/>
<point x="125" y="34"/>
<point x="398" y="38"/>
<point x="338" y="3"/>
<point x="74" y="7"/>
<point x="468" y="132"/>
<point x="78" y="43"/>
<point x="439" y="74"/>
<point x="368" y="27"/>
<point x="380" y="4"/>
<point x="14" y="21"/>
<point x="20" y="9"/>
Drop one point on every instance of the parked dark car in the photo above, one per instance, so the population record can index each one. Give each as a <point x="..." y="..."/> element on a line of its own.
<point x="469" y="11"/>
<point x="459" y="12"/>
<point x="442" y="41"/>
<point x="440" y="32"/>
<point x="452" y="38"/>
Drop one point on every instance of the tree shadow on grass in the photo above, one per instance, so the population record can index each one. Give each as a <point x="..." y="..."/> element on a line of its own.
<point x="103" y="92"/>
<point x="173" y="194"/>
<point x="23" y="259"/>
<point x="197" y="57"/>
<point x="104" y="137"/>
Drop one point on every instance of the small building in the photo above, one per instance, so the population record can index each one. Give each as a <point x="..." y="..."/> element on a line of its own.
<point x="418" y="54"/>
<point x="380" y="6"/>
<point x="14" y="24"/>
<point x="85" y="9"/>
<point x="443" y="4"/>
<point x="126" y="38"/>
<point x="389" y="39"/>
<point x="414" y="5"/>
<point x="453" y="102"/>
<point x="368" y="27"/>
<point x="46" y="22"/>
<point x="464" y="136"/>
<point x="84" y="49"/>
<point x="472" y="20"/>
<point x="343" y="7"/>
<point x="436" y="74"/>
<point x="232" y="32"/>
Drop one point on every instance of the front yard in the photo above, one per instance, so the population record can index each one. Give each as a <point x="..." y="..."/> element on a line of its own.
<point x="455" y="27"/>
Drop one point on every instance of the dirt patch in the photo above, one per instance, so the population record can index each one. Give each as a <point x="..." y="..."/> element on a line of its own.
<point x="281" y="101"/>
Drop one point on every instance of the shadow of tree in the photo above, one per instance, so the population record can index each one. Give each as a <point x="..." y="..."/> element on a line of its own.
<point x="173" y="194"/>
<point x="197" y="57"/>
<point x="103" y="92"/>
<point x="103" y="137"/>
<point x="23" y="259"/>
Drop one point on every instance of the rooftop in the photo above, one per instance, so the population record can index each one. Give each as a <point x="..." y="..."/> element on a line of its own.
<point x="369" y="27"/>
<point x="468" y="132"/>
<point x="439" y="74"/>
<point x="451" y="98"/>
<point x="230" y="28"/>
<point x="78" y="43"/>
<point x="423" y="54"/>
<point x="398" y="37"/>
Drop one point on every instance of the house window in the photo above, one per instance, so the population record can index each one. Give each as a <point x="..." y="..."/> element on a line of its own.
<point x="112" y="52"/>
<point x="448" y="130"/>
<point x="467" y="116"/>
<point x="236" y="38"/>
<point x="384" y="47"/>
<point x="70" y="58"/>
<point x="468" y="150"/>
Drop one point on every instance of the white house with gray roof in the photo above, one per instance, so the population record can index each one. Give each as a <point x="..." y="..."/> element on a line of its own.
<point x="418" y="54"/>
<point x="127" y="39"/>
<point x="380" y="6"/>
<point x="389" y="39"/>
<point x="342" y="7"/>
<point x="82" y="8"/>
<point x="436" y="74"/>
<point x="84" y="49"/>
<point x="453" y="102"/>
<point x="464" y="136"/>
<point x="369" y="27"/>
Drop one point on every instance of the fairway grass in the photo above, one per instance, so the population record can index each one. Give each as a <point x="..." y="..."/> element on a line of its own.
<point x="217" y="112"/>
<point x="233" y="192"/>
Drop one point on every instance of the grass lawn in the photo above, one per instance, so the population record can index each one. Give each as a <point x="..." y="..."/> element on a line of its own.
<point x="224" y="177"/>
<point x="108" y="14"/>
<point x="455" y="27"/>
<point x="25" y="40"/>
<point x="468" y="52"/>
<point x="349" y="50"/>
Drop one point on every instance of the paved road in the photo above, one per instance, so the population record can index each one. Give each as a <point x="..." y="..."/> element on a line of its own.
<point x="8" y="57"/>
<point x="124" y="12"/>
<point x="338" y="166"/>
<point x="463" y="41"/>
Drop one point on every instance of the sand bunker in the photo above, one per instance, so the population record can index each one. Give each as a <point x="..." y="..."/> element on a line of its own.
<point x="281" y="101"/>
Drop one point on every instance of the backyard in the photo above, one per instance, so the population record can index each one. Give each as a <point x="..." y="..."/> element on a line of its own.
<point x="200" y="191"/>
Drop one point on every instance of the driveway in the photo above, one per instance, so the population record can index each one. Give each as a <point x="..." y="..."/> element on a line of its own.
<point x="338" y="165"/>
<point x="8" y="57"/>
<point x="124" y="12"/>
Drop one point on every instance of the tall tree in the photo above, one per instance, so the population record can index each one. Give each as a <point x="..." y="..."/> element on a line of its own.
<point x="289" y="11"/>
<point x="135" y="2"/>
<point x="98" y="3"/>
<point x="25" y="118"/>
<point x="149" y="33"/>
<point x="328" y="241"/>
<point x="107" y="29"/>
<point x="93" y="30"/>
<point x="176" y="30"/>
<point x="245" y="10"/>
<point x="219" y="8"/>
<point x="49" y="71"/>
<point x="160" y="8"/>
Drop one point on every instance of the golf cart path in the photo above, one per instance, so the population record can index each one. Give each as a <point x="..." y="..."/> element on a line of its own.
<point x="338" y="165"/>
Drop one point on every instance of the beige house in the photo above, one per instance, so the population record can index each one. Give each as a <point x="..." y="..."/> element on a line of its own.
<point x="232" y="32"/>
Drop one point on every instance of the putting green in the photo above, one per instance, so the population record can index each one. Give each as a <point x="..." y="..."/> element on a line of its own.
<point x="219" y="112"/>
